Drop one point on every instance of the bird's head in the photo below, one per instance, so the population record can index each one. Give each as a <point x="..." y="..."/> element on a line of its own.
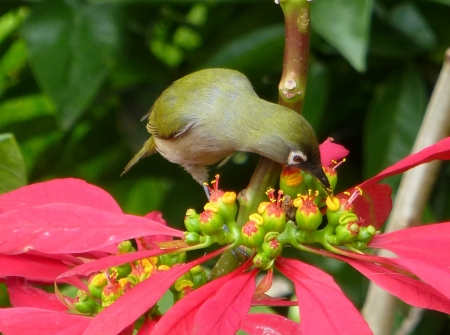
<point x="309" y="160"/>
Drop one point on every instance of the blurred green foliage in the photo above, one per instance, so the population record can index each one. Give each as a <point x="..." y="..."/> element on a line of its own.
<point x="77" y="76"/>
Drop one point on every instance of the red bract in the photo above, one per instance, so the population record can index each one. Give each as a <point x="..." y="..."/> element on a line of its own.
<point x="216" y="308"/>
<point x="67" y="228"/>
<point x="64" y="191"/>
<point x="323" y="307"/>
<point x="263" y="324"/>
<point x="32" y="321"/>
<point x="374" y="204"/>
<point x="440" y="150"/>
<point x="22" y="294"/>
<point x="331" y="152"/>
<point x="45" y="228"/>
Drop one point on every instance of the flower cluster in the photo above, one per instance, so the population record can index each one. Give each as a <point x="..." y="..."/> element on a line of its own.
<point x="105" y="287"/>
<point x="67" y="231"/>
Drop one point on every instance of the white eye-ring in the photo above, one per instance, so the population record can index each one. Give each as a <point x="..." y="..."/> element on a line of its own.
<point x="296" y="157"/>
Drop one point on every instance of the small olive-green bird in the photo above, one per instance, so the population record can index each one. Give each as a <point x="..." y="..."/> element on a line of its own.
<point x="206" y="116"/>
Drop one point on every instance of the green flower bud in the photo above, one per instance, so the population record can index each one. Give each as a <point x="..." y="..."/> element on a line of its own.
<point x="225" y="206"/>
<point x="191" y="238"/>
<point x="309" y="181"/>
<point x="96" y="284"/>
<point x="272" y="248"/>
<point x="173" y="258"/>
<point x="359" y="245"/>
<point x="125" y="247"/>
<point x="191" y="221"/>
<point x="184" y="292"/>
<point x="253" y="232"/>
<point x="210" y="223"/>
<point x="261" y="261"/>
<point x="224" y="203"/>
<point x="331" y="174"/>
<point x="133" y="279"/>
<point x="348" y="229"/>
<point x="85" y="304"/>
<point x="274" y="218"/>
<point x="126" y="284"/>
<point x="198" y="275"/>
<point x="111" y="292"/>
<point x="291" y="181"/>
<point x="337" y="207"/>
<point x="121" y="271"/>
<point x="366" y="234"/>
<point x="307" y="216"/>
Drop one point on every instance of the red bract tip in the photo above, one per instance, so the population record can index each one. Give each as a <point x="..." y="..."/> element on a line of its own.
<point x="330" y="151"/>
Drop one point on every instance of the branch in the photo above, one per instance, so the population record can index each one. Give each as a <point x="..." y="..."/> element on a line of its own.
<point x="412" y="196"/>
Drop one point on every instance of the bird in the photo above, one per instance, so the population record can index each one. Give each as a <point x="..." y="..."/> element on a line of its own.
<point x="206" y="116"/>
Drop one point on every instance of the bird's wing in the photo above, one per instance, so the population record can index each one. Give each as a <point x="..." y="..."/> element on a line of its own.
<point x="152" y="129"/>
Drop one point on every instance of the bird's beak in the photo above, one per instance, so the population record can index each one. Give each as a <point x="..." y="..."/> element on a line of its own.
<point x="319" y="174"/>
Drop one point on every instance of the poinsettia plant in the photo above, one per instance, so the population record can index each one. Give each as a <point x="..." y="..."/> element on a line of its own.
<point x="68" y="233"/>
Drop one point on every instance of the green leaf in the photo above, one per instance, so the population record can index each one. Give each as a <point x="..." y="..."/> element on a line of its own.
<point x="10" y="22"/>
<point x="25" y="108"/>
<point x="12" y="167"/>
<point x="345" y="24"/>
<point x="407" y="18"/>
<point x="393" y="121"/>
<point x="445" y="2"/>
<point x="316" y="94"/>
<point x="71" y="46"/>
<point x="264" y="45"/>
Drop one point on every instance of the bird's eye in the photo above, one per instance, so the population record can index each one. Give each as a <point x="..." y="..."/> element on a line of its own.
<point x="298" y="159"/>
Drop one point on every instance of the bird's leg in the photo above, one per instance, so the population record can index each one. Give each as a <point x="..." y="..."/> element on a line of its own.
<point x="240" y="250"/>
<point x="206" y="189"/>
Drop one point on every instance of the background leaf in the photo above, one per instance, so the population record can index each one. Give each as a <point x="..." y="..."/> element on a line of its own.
<point x="12" y="167"/>
<point x="345" y="24"/>
<point x="70" y="47"/>
<point x="394" y="119"/>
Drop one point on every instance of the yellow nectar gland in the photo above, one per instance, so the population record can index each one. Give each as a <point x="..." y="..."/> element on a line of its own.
<point x="333" y="204"/>
<point x="256" y="218"/>
<point x="298" y="202"/>
<point x="211" y="207"/>
<point x="123" y="282"/>
<point x="99" y="279"/>
<point x="149" y="267"/>
<point x="294" y="180"/>
<point x="229" y="198"/>
<point x="263" y="206"/>
<point x="190" y="212"/>
<point x="182" y="284"/>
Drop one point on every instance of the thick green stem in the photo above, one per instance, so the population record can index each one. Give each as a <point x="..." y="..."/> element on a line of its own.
<point x="291" y="94"/>
<point x="296" y="53"/>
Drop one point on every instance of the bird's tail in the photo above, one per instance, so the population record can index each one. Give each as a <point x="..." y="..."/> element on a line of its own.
<point x="148" y="149"/>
